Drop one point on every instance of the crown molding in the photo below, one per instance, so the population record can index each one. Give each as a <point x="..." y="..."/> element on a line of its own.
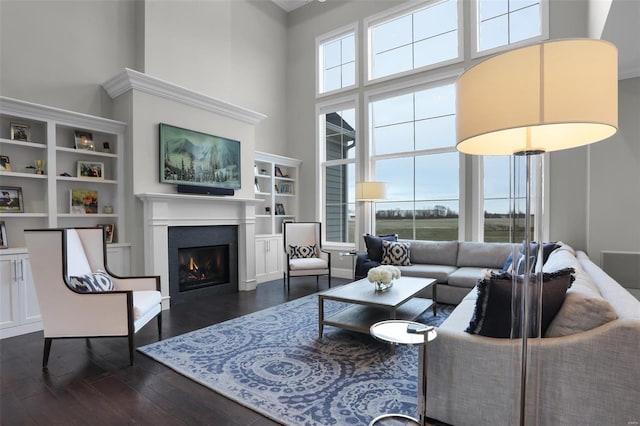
<point x="134" y="80"/>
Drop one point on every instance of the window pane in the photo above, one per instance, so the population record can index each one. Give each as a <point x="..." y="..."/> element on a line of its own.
<point x="340" y="205"/>
<point x="348" y="49"/>
<point x="340" y="135"/>
<point x="496" y="177"/>
<point x="437" y="177"/>
<point x="398" y="109"/>
<point x="349" y="74"/>
<point x="492" y="8"/>
<point x="398" y="175"/>
<point x="395" y="218"/>
<point x="493" y="33"/>
<point x="521" y="4"/>
<point x="435" y="20"/>
<point x="394" y="138"/>
<point x="332" y="79"/>
<point x="436" y="220"/>
<point x="436" y="133"/>
<point x="436" y="101"/>
<point x="436" y="49"/>
<point x="392" y="61"/>
<point x="392" y="34"/>
<point x="332" y="54"/>
<point x="525" y="24"/>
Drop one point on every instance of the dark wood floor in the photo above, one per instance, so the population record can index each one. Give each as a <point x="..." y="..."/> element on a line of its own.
<point x="94" y="384"/>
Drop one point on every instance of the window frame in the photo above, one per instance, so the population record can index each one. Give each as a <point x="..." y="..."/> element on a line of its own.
<point x="399" y="11"/>
<point x="323" y="108"/>
<point x="412" y="86"/>
<point x="475" y="27"/>
<point x="326" y="38"/>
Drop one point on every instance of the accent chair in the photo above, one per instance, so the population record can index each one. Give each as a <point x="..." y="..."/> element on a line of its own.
<point x="305" y="256"/>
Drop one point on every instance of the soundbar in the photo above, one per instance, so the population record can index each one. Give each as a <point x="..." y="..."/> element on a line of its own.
<point x="204" y="190"/>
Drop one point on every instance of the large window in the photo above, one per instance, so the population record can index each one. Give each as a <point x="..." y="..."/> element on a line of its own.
<point x="337" y="61"/>
<point x="503" y="23"/>
<point x="414" y="39"/>
<point x="339" y="168"/>
<point x="413" y="151"/>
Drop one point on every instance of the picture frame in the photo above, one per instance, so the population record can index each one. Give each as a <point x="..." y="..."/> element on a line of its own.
<point x="109" y="229"/>
<point x="11" y="199"/>
<point x="189" y="157"/>
<point x="280" y="209"/>
<point x="83" y="201"/>
<point x="90" y="169"/>
<point x="20" y="132"/>
<point x="5" y="163"/>
<point x="4" y="243"/>
<point x="84" y="141"/>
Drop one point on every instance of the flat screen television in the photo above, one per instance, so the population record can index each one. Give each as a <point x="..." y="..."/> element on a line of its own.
<point x="188" y="157"/>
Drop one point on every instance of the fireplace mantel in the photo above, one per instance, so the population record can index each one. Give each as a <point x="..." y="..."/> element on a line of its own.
<point x="162" y="210"/>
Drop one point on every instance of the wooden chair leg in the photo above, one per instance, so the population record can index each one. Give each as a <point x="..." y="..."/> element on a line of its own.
<point x="317" y="282"/>
<point x="160" y="326"/>
<point x="47" y="350"/>
<point x="131" y="351"/>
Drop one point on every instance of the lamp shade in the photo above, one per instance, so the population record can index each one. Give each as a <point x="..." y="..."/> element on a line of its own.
<point x="371" y="191"/>
<point x="546" y="97"/>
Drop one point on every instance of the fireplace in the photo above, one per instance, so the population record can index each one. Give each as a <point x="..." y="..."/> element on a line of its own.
<point x="203" y="261"/>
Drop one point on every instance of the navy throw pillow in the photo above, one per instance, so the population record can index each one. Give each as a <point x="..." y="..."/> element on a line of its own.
<point x="374" y="245"/>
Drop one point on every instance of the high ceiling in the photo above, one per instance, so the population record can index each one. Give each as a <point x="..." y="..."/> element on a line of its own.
<point x="289" y="5"/>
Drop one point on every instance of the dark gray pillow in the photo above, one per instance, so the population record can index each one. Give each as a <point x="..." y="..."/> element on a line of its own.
<point x="374" y="245"/>
<point x="492" y="315"/>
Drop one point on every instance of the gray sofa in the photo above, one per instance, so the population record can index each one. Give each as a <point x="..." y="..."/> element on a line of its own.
<point x="587" y="366"/>
<point x="455" y="265"/>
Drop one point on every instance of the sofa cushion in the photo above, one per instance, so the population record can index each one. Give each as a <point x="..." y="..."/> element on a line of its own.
<point x="374" y="245"/>
<point x="90" y="283"/>
<point x="440" y="273"/>
<point x="302" y="252"/>
<point x="484" y="255"/>
<point x="434" y="252"/>
<point x="492" y="315"/>
<point x="467" y="276"/>
<point x="395" y="253"/>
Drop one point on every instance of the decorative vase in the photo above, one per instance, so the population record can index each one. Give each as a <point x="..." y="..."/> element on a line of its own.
<point x="380" y="286"/>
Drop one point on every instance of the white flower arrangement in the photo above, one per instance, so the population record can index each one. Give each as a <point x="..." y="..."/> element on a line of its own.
<point x="383" y="274"/>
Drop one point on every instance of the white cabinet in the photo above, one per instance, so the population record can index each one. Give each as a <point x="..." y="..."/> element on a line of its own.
<point x="19" y="309"/>
<point x="269" y="258"/>
<point x="44" y="167"/>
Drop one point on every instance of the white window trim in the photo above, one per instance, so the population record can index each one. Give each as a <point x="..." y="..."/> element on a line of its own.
<point x="328" y="37"/>
<point x="398" y="11"/>
<point x="347" y="102"/>
<point x="544" y="27"/>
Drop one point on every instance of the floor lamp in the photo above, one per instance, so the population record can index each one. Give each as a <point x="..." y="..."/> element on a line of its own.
<point x="546" y="97"/>
<point x="371" y="192"/>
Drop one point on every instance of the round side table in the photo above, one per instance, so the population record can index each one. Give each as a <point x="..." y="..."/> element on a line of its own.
<point x="401" y="332"/>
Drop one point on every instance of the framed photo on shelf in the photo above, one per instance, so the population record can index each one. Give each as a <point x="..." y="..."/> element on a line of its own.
<point x="11" y="199"/>
<point x="4" y="243"/>
<point x="280" y="209"/>
<point x="5" y="164"/>
<point x="84" y="201"/>
<point x="20" y="132"/>
<point x="90" y="169"/>
<point x="84" y="141"/>
<point x="109" y="229"/>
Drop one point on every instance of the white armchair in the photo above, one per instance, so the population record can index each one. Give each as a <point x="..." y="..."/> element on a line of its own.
<point x="303" y="247"/>
<point x="65" y="263"/>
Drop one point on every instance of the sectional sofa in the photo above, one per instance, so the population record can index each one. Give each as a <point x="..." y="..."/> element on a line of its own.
<point x="455" y="265"/>
<point x="586" y="368"/>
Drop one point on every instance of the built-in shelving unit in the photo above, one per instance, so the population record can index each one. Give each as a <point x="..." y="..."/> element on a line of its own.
<point x="276" y="182"/>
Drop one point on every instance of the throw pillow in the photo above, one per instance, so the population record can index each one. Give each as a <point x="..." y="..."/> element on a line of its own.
<point x="507" y="264"/>
<point x="395" y="253"/>
<point x="93" y="282"/>
<point x="374" y="245"/>
<point x="492" y="315"/>
<point x="302" y="252"/>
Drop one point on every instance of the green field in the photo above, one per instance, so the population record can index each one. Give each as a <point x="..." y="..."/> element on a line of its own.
<point x="496" y="229"/>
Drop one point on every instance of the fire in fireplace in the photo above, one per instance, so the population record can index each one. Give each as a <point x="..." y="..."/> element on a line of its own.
<point x="203" y="267"/>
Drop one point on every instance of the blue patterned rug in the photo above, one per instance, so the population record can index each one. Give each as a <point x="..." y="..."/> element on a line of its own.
<point x="273" y="362"/>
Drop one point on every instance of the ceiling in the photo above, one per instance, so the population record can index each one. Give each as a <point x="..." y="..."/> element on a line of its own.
<point x="289" y="5"/>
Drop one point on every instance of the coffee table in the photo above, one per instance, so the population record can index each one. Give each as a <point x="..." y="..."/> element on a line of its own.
<point x="367" y="307"/>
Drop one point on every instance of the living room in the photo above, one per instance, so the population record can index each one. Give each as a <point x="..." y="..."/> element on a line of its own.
<point x="256" y="58"/>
